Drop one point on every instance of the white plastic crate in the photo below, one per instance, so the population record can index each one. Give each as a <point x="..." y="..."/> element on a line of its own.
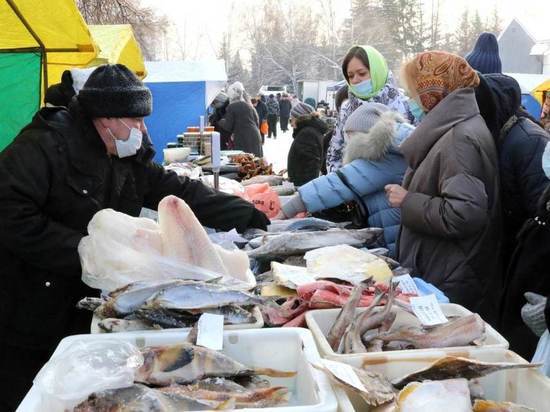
<point x="527" y="387"/>
<point x="286" y="349"/>
<point x="320" y="321"/>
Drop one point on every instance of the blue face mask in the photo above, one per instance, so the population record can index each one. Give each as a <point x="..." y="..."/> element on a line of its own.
<point x="416" y="110"/>
<point x="546" y="160"/>
<point x="362" y="89"/>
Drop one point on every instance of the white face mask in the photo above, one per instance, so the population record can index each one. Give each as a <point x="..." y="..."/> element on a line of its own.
<point x="130" y="146"/>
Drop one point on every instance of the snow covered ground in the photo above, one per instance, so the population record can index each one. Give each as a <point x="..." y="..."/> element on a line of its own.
<point x="276" y="150"/>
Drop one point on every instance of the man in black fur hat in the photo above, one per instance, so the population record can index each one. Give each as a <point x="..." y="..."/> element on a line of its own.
<point x="61" y="169"/>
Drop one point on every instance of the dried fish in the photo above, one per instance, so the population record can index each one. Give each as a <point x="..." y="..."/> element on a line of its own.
<point x="451" y="367"/>
<point x="289" y="244"/>
<point x="346" y="315"/>
<point x="141" y="398"/>
<point x="378" y="390"/>
<point x="376" y="345"/>
<point x="185" y="363"/>
<point x="352" y="337"/>
<point x="460" y="332"/>
<point x="111" y="325"/>
<point x="243" y="398"/>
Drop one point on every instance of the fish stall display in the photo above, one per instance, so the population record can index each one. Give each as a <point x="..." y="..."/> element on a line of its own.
<point x="170" y="304"/>
<point x="449" y="384"/>
<point x="121" y="249"/>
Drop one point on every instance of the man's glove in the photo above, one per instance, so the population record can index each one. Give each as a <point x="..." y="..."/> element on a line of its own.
<point x="258" y="220"/>
<point x="532" y="312"/>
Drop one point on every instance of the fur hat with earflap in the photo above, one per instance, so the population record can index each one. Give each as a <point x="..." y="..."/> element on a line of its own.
<point x="373" y="130"/>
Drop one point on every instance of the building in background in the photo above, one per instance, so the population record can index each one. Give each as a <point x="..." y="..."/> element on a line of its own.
<point x="516" y="44"/>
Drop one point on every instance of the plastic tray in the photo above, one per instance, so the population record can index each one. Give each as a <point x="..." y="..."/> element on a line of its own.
<point x="282" y="348"/>
<point x="526" y="387"/>
<point x="320" y="321"/>
<point x="258" y="324"/>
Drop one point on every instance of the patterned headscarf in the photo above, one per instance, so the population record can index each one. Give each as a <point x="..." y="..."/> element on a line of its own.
<point x="433" y="75"/>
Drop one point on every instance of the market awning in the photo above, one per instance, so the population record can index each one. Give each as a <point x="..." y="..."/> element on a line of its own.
<point x="38" y="41"/>
<point x="118" y="44"/>
<point x="538" y="91"/>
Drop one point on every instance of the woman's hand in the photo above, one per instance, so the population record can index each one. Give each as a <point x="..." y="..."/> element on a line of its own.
<point x="395" y="194"/>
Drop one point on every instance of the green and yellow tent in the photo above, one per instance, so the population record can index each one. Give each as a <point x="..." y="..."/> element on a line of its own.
<point x="38" y="41"/>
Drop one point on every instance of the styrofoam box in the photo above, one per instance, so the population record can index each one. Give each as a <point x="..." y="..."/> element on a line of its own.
<point x="288" y="349"/>
<point x="526" y="387"/>
<point x="320" y="321"/>
<point x="258" y="324"/>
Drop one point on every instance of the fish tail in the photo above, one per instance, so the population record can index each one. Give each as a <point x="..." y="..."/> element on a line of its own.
<point x="274" y="373"/>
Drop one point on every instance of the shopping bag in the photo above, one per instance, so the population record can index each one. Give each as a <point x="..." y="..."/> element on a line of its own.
<point x="263" y="127"/>
<point x="264" y="198"/>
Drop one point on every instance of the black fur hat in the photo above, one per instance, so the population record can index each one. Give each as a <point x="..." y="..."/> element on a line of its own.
<point x="113" y="90"/>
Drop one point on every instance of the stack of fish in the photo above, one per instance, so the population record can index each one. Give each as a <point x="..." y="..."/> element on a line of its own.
<point x="169" y="304"/>
<point x="370" y="330"/>
<point x="447" y="385"/>
<point x="186" y="377"/>
<point x="324" y="294"/>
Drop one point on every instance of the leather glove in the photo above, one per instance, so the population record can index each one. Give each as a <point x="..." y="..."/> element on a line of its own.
<point x="258" y="220"/>
<point x="532" y="312"/>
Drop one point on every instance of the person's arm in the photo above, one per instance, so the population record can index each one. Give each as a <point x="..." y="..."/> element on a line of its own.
<point x="228" y="121"/>
<point x="213" y="209"/>
<point x="26" y="230"/>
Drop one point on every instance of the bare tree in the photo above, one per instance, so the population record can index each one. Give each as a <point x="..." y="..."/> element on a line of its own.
<point x="149" y="28"/>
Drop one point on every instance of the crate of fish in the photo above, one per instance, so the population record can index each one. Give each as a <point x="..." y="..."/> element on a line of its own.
<point x="267" y="369"/>
<point x="377" y="331"/>
<point x="476" y="379"/>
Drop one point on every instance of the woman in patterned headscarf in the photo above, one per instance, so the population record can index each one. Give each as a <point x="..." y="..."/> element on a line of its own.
<point x="369" y="80"/>
<point x="450" y="205"/>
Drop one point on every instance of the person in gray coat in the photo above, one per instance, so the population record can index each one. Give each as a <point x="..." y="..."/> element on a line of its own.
<point x="450" y="198"/>
<point x="242" y="121"/>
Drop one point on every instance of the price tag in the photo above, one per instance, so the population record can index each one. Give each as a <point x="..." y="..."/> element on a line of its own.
<point x="345" y="373"/>
<point x="210" y="331"/>
<point x="406" y="284"/>
<point x="427" y="310"/>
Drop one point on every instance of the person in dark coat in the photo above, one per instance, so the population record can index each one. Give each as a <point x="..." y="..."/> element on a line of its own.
<point x="242" y="121"/>
<point x="220" y="103"/>
<point x="284" y="111"/>
<point x="261" y="109"/>
<point x="520" y="144"/>
<point x="306" y="152"/>
<point x="450" y="199"/>
<point x="61" y="169"/>
<point x="272" y="116"/>
<point x="60" y="94"/>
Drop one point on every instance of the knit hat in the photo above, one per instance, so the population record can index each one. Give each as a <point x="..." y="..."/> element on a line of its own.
<point x="484" y="57"/>
<point x="364" y="117"/>
<point x="113" y="90"/>
<point x="301" y="109"/>
<point x="433" y="75"/>
<point x="235" y="91"/>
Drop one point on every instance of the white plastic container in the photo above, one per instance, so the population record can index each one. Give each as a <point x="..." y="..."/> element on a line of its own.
<point x="320" y="321"/>
<point x="283" y="348"/>
<point x="257" y="324"/>
<point x="527" y="387"/>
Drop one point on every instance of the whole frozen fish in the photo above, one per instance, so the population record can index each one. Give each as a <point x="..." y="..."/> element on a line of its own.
<point x="185" y="363"/>
<point x="451" y="367"/>
<point x="289" y="244"/>
<point x="141" y="398"/>
<point x="112" y="325"/>
<point x="191" y="296"/>
<point x="460" y="332"/>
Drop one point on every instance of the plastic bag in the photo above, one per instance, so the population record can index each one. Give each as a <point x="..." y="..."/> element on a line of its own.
<point x="264" y="127"/>
<point x="228" y="186"/>
<point x="122" y="249"/>
<point x="542" y="354"/>
<point x="264" y="198"/>
<point x="85" y="367"/>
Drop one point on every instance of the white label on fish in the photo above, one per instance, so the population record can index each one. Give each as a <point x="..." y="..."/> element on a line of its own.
<point x="210" y="331"/>
<point x="427" y="310"/>
<point x="344" y="373"/>
<point x="406" y="284"/>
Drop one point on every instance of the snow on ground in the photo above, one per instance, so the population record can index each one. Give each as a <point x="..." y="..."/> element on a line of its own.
<point x="276" y="150"/>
